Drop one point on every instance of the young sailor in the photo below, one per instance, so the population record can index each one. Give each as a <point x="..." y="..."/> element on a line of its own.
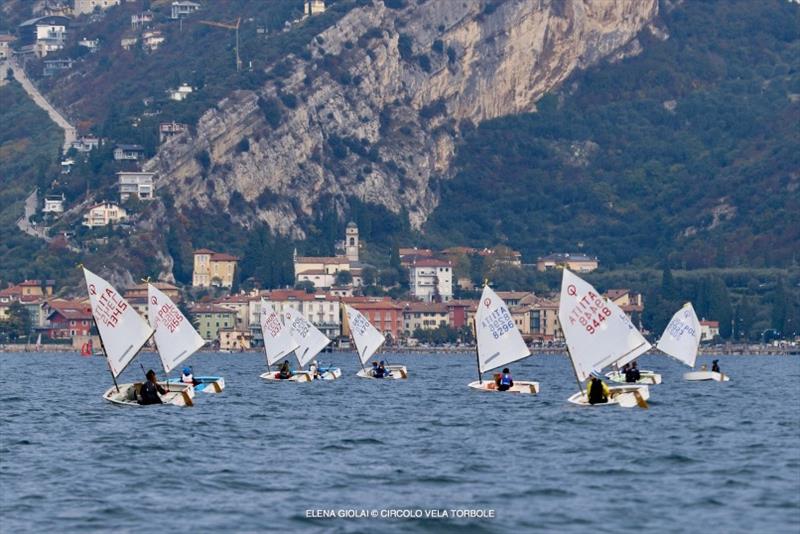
<point x="597" y="392"/>
<point x="382" y="372"/>
<point x="285" y="373"/>
<point x="715" y="367"/>
<point x="150" y="390"/>
<point x="187" y="378"/>
<point x="637" y="375"/>
<point x="506" y="382"/>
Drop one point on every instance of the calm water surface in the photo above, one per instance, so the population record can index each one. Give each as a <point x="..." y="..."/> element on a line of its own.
<point x="705" y="457"/>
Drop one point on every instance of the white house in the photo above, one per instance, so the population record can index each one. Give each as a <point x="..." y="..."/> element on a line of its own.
<point x="709" y="330"/>
<point x="91" y="44"/>
<point x="5" y="46"/>
<point x="313" y="7"/>
<point x="44" y="34"/>
<point x="134" y="183"/>
<point x="104" y="214"/>
<point x="53" y="204"/>
<point x="84" y="7"/>
<point x="183" y="8"/>
<point x="431" y="279"/>
<point x="128" y="152"/>
<point x="86" y="143"/>
<point x="181" y="93"/>
<point x="151" y="40"/>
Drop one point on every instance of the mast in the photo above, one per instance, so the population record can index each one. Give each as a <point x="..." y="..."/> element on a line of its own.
<point x="477" y="355"/>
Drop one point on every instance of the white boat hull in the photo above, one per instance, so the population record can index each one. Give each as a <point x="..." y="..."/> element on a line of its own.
<point x="695" y="376"/>
<point x="648" y="378"/>
<point x="531" y="388"/>
<point x="396" y="372"/>
<point x="625" y="396"/>
<point x="208" y="384"/>
<point x="177" y="394"/>
<point x="305" y="376"/>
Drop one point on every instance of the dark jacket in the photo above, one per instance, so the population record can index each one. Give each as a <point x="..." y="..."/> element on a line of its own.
<point x="149" y="393"/>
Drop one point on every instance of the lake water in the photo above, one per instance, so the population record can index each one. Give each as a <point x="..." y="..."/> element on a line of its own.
<point x="713" y="457"/>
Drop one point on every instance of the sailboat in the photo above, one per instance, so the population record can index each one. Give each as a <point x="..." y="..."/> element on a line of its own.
<point x="123" y="333"/>
<point x="368" y="340"/>
<point x="499" y="343"/>
<point x="599" y="335"/>
<point x="681" y="338"/>
<point x="176" y="339"/>
<point x="292" y="333"/>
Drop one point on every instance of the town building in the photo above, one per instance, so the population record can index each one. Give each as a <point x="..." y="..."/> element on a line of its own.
<point x="539" y="320"/>
<point x="384" y="314"/>
<point x="66" y="165"/>
<point x="234" y="340"/>
<point x="183" y="9"/>
<point x="136" y="184"/>
<point x="69" y="319"/>
<point x="86" y="143"/>
<point x="129" y="41"/>
<point x="140" y="291"/>
<point x="104" y="214"/>
<point x="128" y="152"/>
<point x="53" y="204"/>
<point x="85" y="7"/>
<point x="181" y="93"/>
<point x="152" y="40"/>
<point x="209" y="319"/>
<point x="213" y="269"/>
<point x="29" y="290"/>
<point x="5" y="46"/>
<point x="43" y="35"/>
<point x="323" y="271"/>
<point x="313" y="7"/>
<point x="431" y="280"/>
<point x="424" y="316"/>
<point x="458" y="312"/>
<point x="140" y="20"/>
<point x="709" y="330"/>
<point x="580" y="263"/>
<point x="168" y="130"/>
<point x="91" y="44"/>
<point x="52" y="67"/>
<point x="629" y="301"/>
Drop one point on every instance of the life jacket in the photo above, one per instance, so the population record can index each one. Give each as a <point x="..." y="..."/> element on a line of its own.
<point x="596" y="392"/>
<point x="187" y="379"/>
<point x="506" y="380"/>
<point x="149" y="394"/>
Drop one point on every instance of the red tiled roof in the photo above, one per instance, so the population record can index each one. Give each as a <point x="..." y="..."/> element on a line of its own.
<point x="426" y="307"/>
<point x="221" y="256"/>
<point x="210" y="308"/>
<point x="614" y="294"/>
<point x="204" y="251"/>
<point x="710" y="324"/>
<point x="325" y="260"/>
<point x="430" y="262"/>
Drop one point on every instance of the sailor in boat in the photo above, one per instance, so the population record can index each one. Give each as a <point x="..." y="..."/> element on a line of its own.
<point x="506" y="382"/>
<point x="150" y="390"/>
<point x="285" y="373"/>
<point x="375" y="371"/>
<point x="187" y="378"/>
<point x="715" y="367"/>
<point x="597" y="392"/>
<point x="313" y="368"/>
<point x="632" y="374"/>
<point x="382" y="372"/>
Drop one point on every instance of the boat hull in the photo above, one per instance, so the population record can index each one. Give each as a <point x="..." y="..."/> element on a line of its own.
<point x="698" y="376"/>
<point x="530" y="388"/>
<point x="624" y="396"/>
<point x="330" y="373"/>
<point x="177" y="394"/>
<point x="648" y="378"/>
<point x="396" y="372"/>
<point x="208" y="384"/>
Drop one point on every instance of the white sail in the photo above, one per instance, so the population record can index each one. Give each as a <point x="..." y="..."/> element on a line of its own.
<point x="597" y="331"/>
<point x="366" y="337"/>
<point x="682" y="336"/>
<point x="278" y="340"/>
<point x="122" y="330"/>
<point x="499" y="341"/>
<point x="308" y="337"/>
<point x="176" y="338"/>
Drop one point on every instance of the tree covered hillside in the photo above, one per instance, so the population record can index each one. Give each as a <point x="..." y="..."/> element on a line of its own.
<point x="690" y="151"/>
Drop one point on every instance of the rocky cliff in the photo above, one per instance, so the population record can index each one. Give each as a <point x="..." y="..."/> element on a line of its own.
<point x="375" y="106"/>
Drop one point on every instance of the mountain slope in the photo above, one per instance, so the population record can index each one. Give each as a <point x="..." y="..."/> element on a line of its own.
<point x="689" y="151"/>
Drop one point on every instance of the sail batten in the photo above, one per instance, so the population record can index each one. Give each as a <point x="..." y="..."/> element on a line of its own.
<point x="278" y="339"/>
<point x="681" y="337"/>
<point x="499" y="340"/>
<point x="597" y="331"/>
<point x="176" y="337"/>
<point x="310" y="341"/>
<point x="122" y="330"/>
<point x="366" y="337"/>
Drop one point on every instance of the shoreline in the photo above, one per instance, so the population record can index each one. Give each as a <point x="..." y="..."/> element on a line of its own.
<point x="716" y="350"/>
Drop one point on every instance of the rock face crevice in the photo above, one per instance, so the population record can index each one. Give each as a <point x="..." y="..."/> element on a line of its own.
<point x="375" y="108"/>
